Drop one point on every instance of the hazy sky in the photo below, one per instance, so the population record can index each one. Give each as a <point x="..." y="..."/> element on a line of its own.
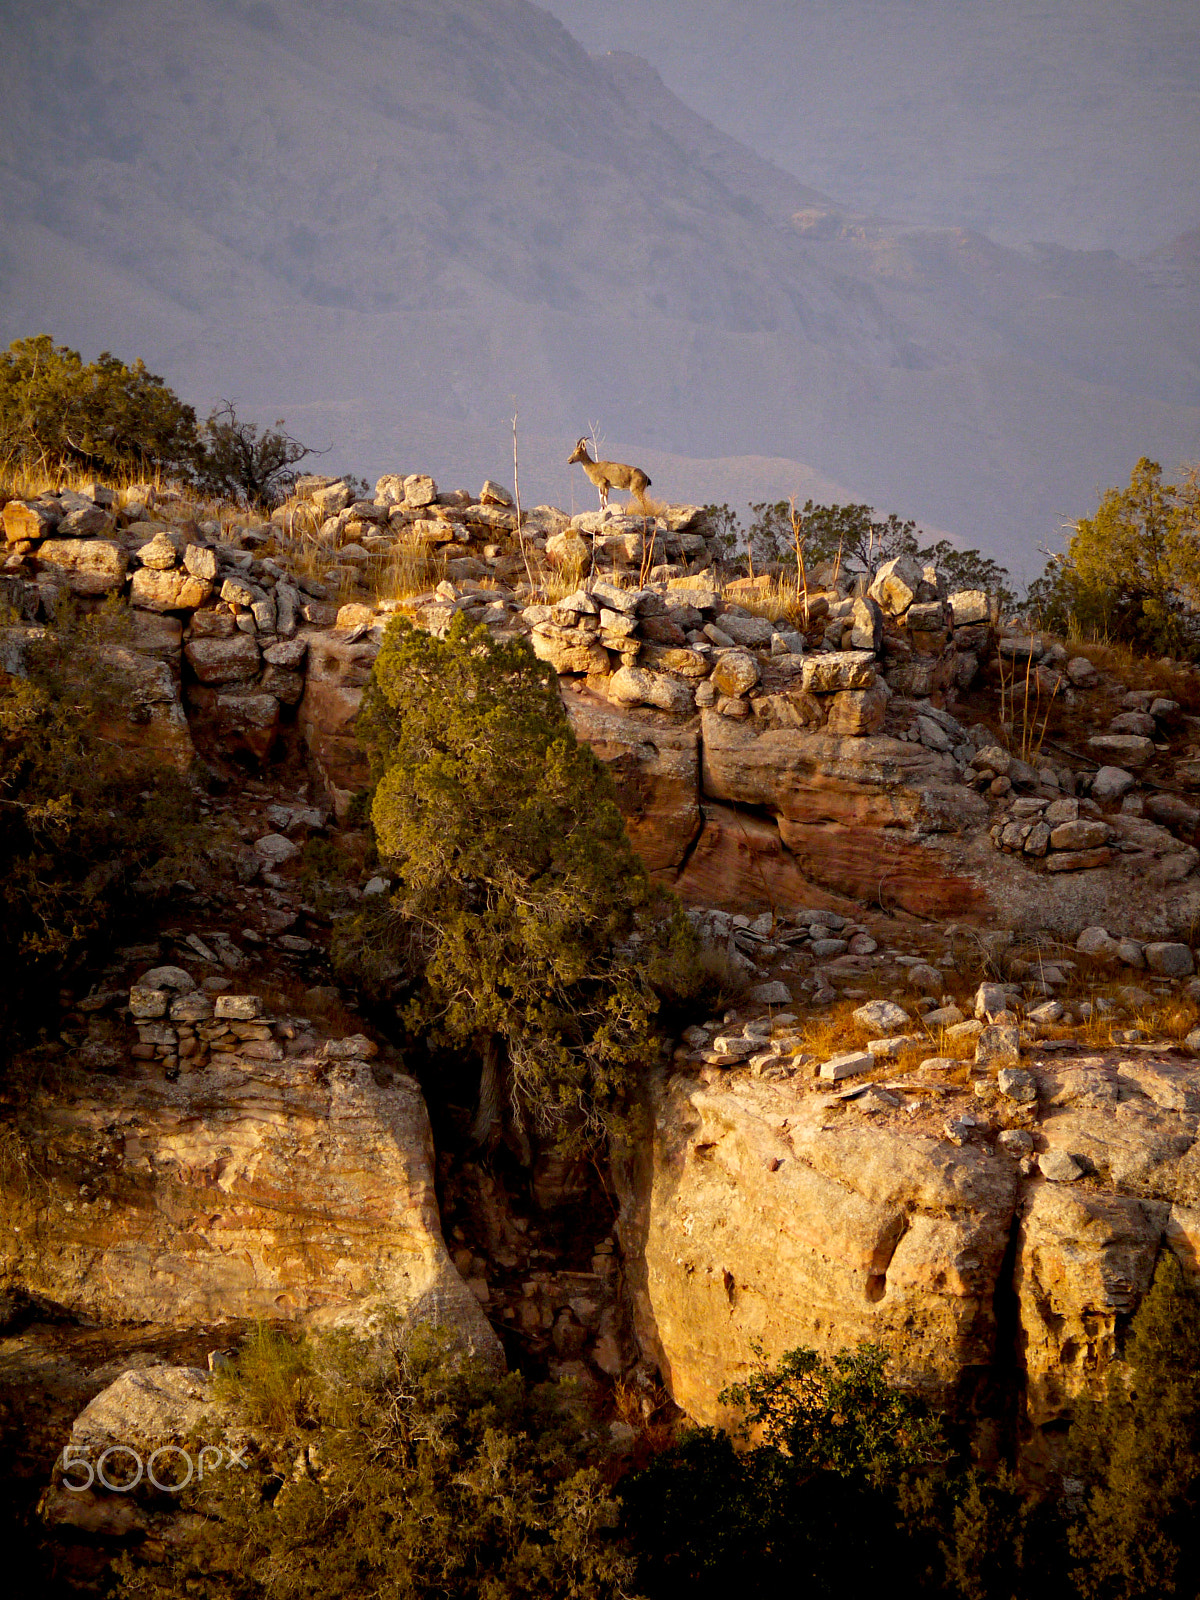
<point x="1073" y="121"/>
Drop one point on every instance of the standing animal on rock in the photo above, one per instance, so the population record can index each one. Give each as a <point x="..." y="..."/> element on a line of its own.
<point x="608" y="475"/>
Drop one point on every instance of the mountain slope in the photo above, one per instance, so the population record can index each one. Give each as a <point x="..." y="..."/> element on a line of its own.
<point x="390" y="221"/>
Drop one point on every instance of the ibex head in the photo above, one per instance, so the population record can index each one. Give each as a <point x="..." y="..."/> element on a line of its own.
<point x="580" y="453"/>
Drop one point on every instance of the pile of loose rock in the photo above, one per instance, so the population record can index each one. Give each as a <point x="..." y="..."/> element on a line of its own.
<point x="183" y="1026"/>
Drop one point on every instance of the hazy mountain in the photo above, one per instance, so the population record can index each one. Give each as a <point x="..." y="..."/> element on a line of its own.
<point x="384" y="221"/>
<point x="1032" y="119"/>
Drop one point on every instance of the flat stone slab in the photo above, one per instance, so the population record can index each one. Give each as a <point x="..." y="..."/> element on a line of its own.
<point x="847" y="1066"/>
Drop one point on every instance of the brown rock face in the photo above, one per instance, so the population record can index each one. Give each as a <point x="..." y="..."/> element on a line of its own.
<point x="882" y="867"/>
<point x="296" y="1189"/>
<point x="746" y="1221"/>
<point x="337" y="674"/>
<point x="656" y="764"/>
<point x="740" y="861"/>
<point x="768" y="1212"/>
<point x="843" y="806"/>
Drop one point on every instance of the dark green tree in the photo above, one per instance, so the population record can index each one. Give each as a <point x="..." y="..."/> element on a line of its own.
<point x="423" y="1475"/>
<point x="836" y="1440"/>
<point x="55" y="412"/>
<point x="970" y="569"/>
<point x="851" y="536"/>
<point x="1131" y="573"/>
<point x="83" y="817"/>
<point x="518" y="890"/>
<point x="1140" y="1451"/>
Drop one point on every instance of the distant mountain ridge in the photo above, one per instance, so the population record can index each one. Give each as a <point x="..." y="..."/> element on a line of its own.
<point x="390" y="223"/>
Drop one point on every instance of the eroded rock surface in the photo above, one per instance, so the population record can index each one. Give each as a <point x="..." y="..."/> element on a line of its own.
<point x="297" y="1189"/>
<point x="983" y="1260"/>
<point x="762" y="1215"/>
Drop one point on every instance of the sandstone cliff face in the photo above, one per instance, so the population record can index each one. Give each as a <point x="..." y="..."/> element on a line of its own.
<point x="771" y="1212"/>
<point x="759" y="1215"/>
<point x="288" y="1189"/>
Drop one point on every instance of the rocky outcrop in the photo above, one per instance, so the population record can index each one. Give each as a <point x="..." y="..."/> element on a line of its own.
<point x="760" y="1214"/>
<point x="854" y="812"/>
<point x="296" y="1188"/>
<point x="984" y="1260"/>
<point x="338" y="670"/>
<point x="656" y="765"/>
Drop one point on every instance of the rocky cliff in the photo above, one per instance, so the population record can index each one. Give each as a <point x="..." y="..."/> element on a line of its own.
<point x="993" y="1233"/>
<point x="278" y="1178"/>
<point x="865" y="793"/>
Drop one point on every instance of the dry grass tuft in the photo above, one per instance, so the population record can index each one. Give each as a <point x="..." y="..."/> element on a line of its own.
<point x="1139" y="672"/>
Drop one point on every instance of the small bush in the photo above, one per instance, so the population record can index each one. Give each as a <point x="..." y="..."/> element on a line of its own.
<point x="87" y="827"/>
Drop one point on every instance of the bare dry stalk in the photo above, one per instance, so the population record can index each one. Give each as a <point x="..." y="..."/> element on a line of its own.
<point x="517" y="498"/>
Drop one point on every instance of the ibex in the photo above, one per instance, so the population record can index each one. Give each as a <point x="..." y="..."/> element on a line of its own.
<point x="608" y="475"/>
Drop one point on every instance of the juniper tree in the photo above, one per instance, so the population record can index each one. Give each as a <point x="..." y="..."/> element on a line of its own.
<point x="517" y="887"/>
<point x="1140" y="1449"/>
<point x="106" y="416"/>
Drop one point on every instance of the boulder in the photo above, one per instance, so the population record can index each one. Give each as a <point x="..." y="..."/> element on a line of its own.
<point x="1078" y="860"/>
<point x="332" y="498"/>
<point x="567" y="549"/>
<point x="635" y="686"/>
<point x="27" y="519"/>
<point x="419" y="490"/>
<point x="201" y="562"/>
<point x="774" y="993"/>
<point x="1112" y="783"/>
<point x="1080" y="835"/>
<point x="1130" y="749"/>
<point x="249" y="721"/>
<point x="568" y="650"/>
<point x="754" y="632"/>
<point x="87" y="566"/>
<point x="1137" y="722"/>
<point x="882" y="1016"/>
<point x="933" y="736"/>
<point x="1171" y="809"/>
<point x="1097" y="942"/>
<point x="854" y="713"/>
<point x="839" y="669"/>
<point x="844" y="806"/>
<point x="998" y="1045"/>
<point x="866" y="625"/>
<point x="849" y="1065"/>
<point x="1015" y="1084"/>
<point x="735" y="673"/>
<point x="1169" y="960"/>
<point x="684" y="663"/>
<point x="234" y="659"/>
<point x="1082" y="673"/>
<point x="896" y="585"/>
<point x="168" y="591"/>
<point x="159" y="552"/>
<point x="970" y="606"/>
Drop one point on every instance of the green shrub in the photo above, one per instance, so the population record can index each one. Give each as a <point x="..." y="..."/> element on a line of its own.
<point x="56" y="412"/>
<point x="518" y="892"/>
<point x="1140" y="1451"/>
<point x="87" y="827"/>
<point x="417" y="1474"/>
